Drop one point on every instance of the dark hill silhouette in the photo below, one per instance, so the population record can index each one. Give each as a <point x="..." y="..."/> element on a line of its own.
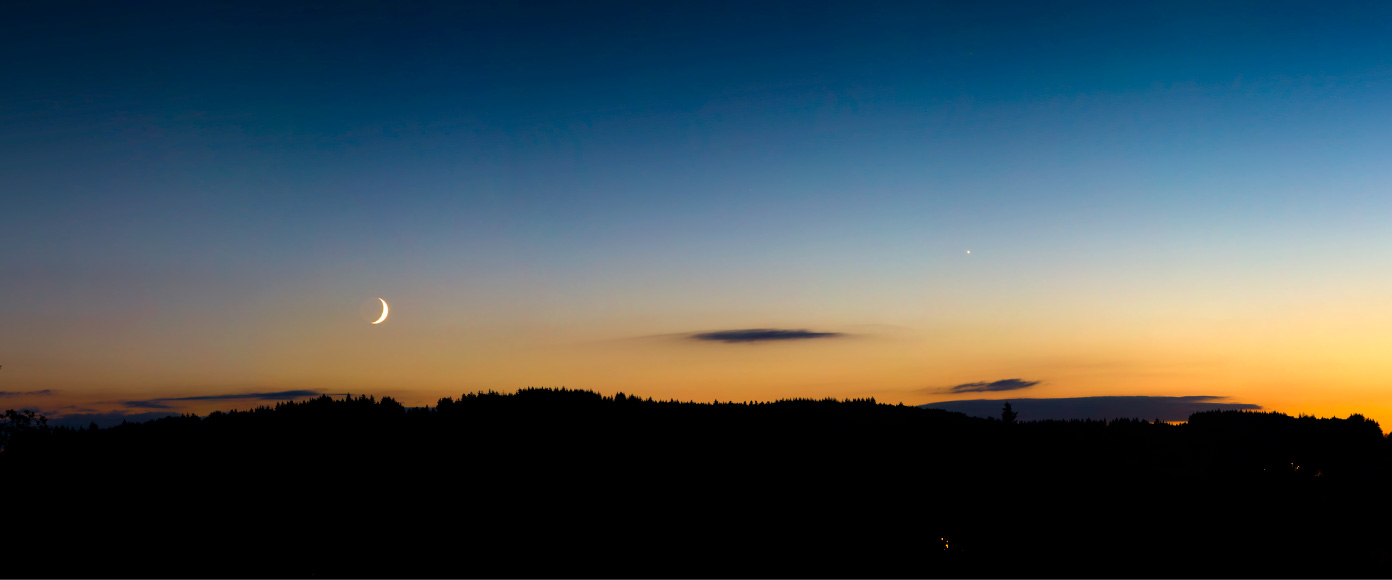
<point x="569" y="483"/>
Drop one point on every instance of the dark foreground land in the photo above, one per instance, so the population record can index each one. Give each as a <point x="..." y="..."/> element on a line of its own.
<point x="557" y="483"/>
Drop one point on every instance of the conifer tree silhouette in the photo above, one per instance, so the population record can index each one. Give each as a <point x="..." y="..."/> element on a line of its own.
<point x="1007" y="414"/>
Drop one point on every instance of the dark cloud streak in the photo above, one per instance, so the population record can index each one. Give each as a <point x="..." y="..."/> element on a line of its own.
<point x="761" y="335"/>
<point x="152" y="404"/>
<point x="1001" y="385"/>
<point x="1163" y="408"/>
<point x="161" y="403"/>
<point x="163" y="409"/>
<point x="104" y="420"/>
<point x="276" y="396"/>
<point x="43" y="393"/>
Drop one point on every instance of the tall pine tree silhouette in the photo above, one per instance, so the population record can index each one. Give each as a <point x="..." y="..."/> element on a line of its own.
<point x="1007" y="414"/>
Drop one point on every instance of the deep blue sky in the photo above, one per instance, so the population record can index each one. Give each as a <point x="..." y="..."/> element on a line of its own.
<point x="185" y="183"/>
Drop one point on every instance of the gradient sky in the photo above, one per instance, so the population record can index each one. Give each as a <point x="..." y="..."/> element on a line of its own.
<point x="1164" y="199"/>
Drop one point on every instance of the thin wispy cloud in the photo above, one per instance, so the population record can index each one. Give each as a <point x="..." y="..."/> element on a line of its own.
<point x="43" y="393"/>
<point x="761" y="335"/>
<point x="992" y="386"/>
<point x="276" y="396"/>
<point x="164" y="402"/>
<point x="1139" y="407"/>
<point x="104" y="420"/>
<point x="154" y="404"/>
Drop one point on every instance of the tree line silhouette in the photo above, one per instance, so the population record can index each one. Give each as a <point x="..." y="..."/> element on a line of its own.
<point x="571" y="483"/>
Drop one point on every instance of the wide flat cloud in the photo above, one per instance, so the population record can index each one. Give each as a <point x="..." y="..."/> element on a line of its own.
<point x="983" y="386"/>
<point x="761" y="335"/>
<point x="43" y="393"/>
<point x="1163" y="408"/>
<point x="151" y="404"/>
<point x="104" y="420"/>
<point x="166" y="407"/>
<point x="164" y="402"/>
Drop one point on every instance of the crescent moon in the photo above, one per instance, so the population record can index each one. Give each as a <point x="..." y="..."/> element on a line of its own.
<point x="384" y="312"/>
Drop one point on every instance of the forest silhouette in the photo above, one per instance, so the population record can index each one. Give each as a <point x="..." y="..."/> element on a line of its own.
<point x="570" y="483"/>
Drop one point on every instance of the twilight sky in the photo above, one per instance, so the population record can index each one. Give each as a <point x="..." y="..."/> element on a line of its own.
<point x="1174" y="199"/>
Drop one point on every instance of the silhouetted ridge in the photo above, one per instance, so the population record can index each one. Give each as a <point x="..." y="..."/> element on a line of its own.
<point x="485" y="483"/>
